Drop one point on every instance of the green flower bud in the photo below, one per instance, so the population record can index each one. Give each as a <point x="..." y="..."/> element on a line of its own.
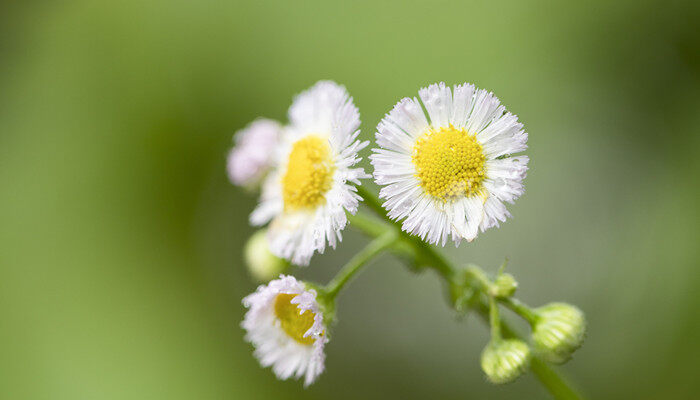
<point x="262" y="265"/>
<point x="505" y="360"/>
<point x="504" y="285"/>
<point x="558" y="331"/>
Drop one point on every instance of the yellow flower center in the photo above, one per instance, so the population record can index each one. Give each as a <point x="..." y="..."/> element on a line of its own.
<point x="309" y="174"/>
<point x="449" y="163"/>
<point x="293" y="324"/>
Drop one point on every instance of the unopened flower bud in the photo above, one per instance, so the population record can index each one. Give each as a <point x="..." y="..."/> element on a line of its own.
<point x="559" y="330"/>
<point x="504" y="285"/>
<point x="261" y="263"/>
<point x="505" y="360"/>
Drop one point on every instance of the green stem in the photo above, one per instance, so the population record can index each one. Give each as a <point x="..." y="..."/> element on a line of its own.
<point x="371" y="201"/>
<point x="429" y="257"/>
<point x="369" y="225"/>
<point x="557" y="385"/>
<point x="520" y="308"/>
<point x="514" y="304"/>
<point x="375" y="228"/>
<point x="494" y="319"/>
<point x="375" y="247"/>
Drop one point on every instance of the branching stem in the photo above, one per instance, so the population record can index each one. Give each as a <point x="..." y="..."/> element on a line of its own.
<point x="426" y="256"/>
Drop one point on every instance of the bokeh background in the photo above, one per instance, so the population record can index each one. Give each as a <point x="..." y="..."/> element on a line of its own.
<point x="120" y="237"/>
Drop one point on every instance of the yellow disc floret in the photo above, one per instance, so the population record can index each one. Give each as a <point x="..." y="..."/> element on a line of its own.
<point x="449" y="163"/>
<point x="309" y="173"/>
<point x="292" y="323"/>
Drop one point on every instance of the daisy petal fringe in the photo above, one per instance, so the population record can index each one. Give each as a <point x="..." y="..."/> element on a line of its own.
<point x="447" y="173"/>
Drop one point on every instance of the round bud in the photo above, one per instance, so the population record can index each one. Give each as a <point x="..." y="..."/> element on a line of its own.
<point x="558" y="331"/>
<point x="262" y="264"/>
<point x="504" y="285"/>
<point x="505" y="360"/>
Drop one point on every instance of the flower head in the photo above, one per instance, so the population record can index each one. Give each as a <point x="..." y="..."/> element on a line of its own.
<point x="285" y="324"/>
<point x="558" y="331"/>
<point x="307" y="195"/>
<point x="505" y="360"/>
<point x="450" y="172"/>
<point x="261" y="263"/>
<point x="252" y="156"/>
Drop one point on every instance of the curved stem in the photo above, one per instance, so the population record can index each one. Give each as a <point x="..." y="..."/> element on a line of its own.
<point x="374" y="227"/>
<point x="429" y="257"/>
<point x="555" y="384"/>
<point x="375" y="247"/>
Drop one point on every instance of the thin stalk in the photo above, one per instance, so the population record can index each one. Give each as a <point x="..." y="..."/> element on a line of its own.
<point x="374" y="227"/>
<point x="494" y="320"/>
<point x="356" y="263"/>
<point x="520" y="308"/>
<point x="555" y="383"/>
<point x="371" y="201"/>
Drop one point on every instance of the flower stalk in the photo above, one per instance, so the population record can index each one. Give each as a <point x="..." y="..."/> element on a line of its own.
<point x="382" y="242"/>
<point x="428" y="257"/>
<point x="521" y="309"/>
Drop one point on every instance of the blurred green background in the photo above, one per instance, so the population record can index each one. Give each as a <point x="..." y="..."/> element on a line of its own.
<point x="120" y="258"/>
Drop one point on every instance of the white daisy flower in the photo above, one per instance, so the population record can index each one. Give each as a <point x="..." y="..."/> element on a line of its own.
<point x="252" y="156"/>
<point x="285" y="324"/>
<point x="307" y="195"/>
<point x="448" y="174"/>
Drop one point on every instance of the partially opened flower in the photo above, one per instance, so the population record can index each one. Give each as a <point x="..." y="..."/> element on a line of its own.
<point x="253" y="154"/>
<point x="285" y="324"/>
<point x="307" y="195"/>
<point x="449" y="174"/>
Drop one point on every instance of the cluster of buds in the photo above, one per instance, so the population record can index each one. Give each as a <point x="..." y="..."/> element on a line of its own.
<point x="558" y="330"/>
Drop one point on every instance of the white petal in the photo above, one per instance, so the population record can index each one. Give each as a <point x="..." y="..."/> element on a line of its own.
<point x="462" y="104"/>
<point x="486" y="108"/>
<point x="505" y="177"/>
<point x="407" y="115"/>
<point x="437" y="99"/>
